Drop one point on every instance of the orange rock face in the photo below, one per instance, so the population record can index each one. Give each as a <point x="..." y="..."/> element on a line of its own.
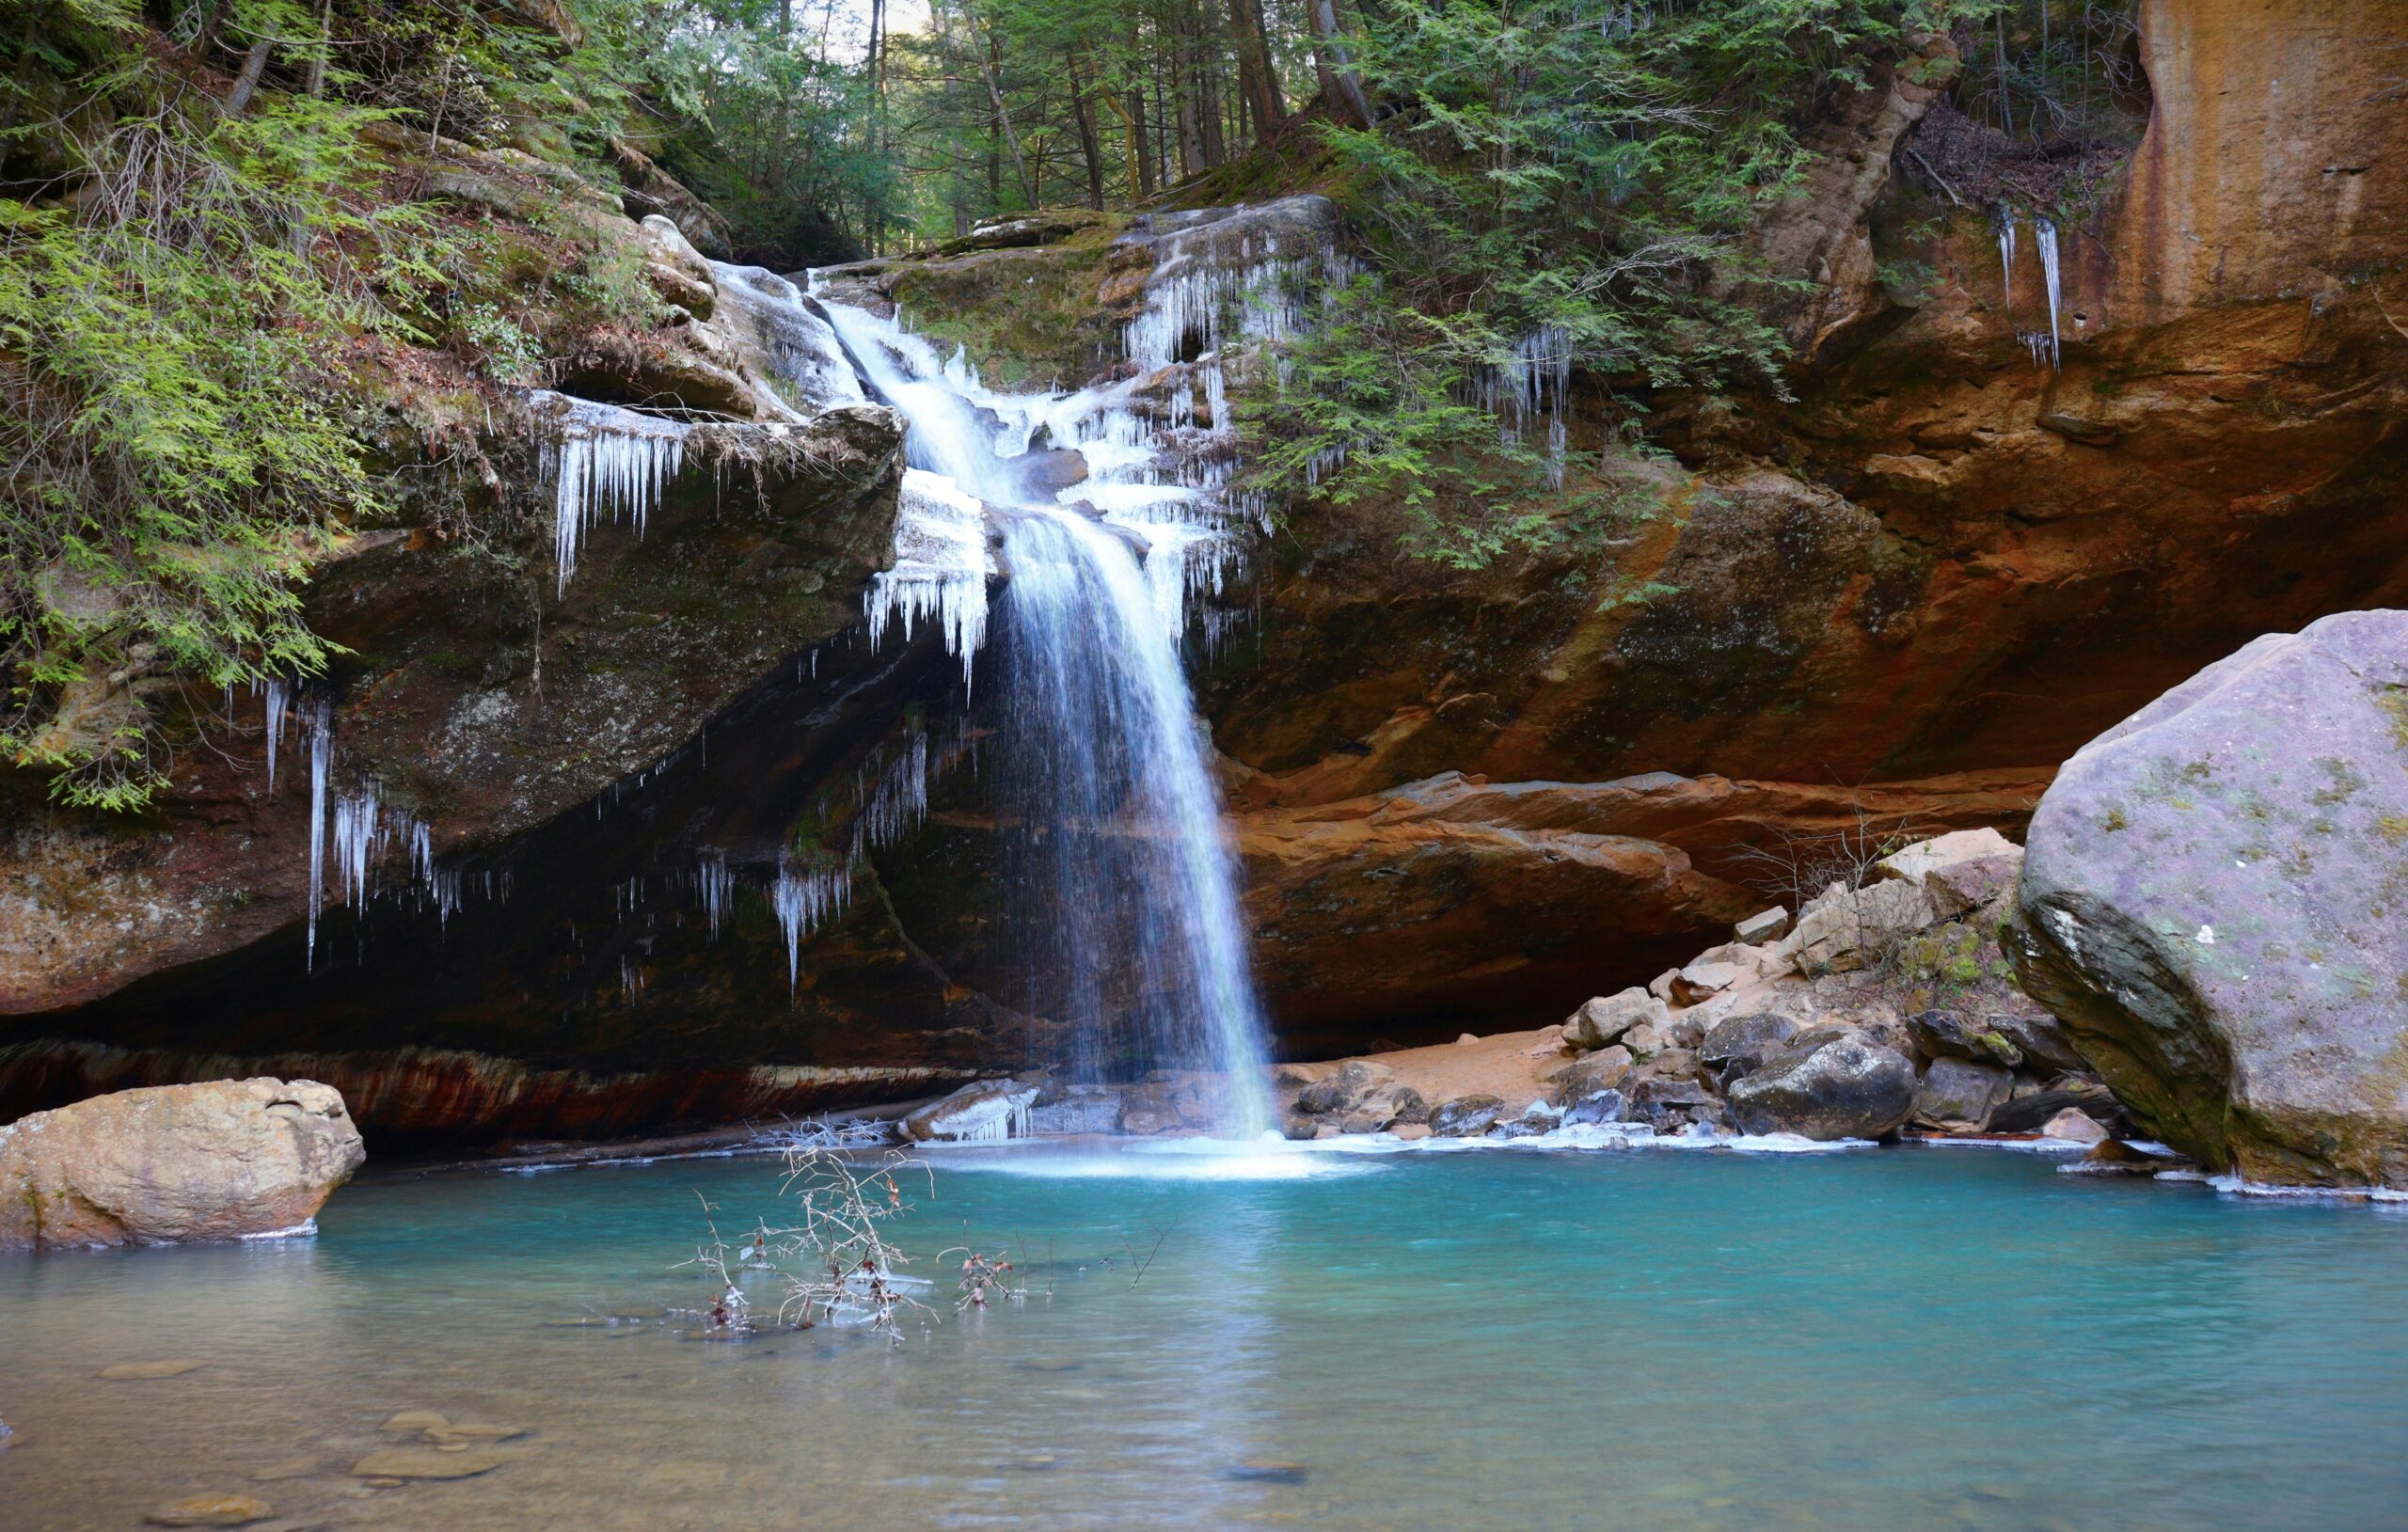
<point x="2273" y="162"/>
<point x="1453" y="902"/>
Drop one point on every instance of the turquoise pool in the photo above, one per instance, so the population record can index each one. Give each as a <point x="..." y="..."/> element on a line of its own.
<point x="1910" y="1338"/>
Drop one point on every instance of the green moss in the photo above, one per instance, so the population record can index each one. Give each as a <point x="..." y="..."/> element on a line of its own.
<point x="1027" y="316"/>
<point x="2393" y="700"/>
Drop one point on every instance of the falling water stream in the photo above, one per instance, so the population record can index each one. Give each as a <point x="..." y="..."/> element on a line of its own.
<point x="1113" y="822"/>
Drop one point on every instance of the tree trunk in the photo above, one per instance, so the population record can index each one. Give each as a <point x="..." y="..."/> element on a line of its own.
<point x="254" y="65"/>
<point x="1255" y="75"/>
<point x="1088" y="147"/>
<point x="1190" y="137"/>
<point x="989" y="63"/>
<point x="317" y="79"/>
<point x="1132" y="142"/>
<point x="1338" y="81"/>
<point x="1208" y="99"/>
<point x="1139" y="146"/>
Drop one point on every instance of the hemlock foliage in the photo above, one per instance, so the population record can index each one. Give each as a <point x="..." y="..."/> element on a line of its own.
<point x="1565" y="186"/>
<point x="210" y="242"/>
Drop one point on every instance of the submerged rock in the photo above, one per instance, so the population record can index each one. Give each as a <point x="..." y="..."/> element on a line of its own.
<point x="1847" y="1087"/>
<point x="219" y="1161"/>
<point x="2210" y="905"/>
<point x="211" y="1511"/>
<point x="425" y="1462"/>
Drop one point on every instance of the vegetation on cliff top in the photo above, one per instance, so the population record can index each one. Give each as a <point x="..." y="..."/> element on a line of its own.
<point x="215" y="235"/>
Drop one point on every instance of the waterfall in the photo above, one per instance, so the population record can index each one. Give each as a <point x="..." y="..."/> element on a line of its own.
<point x="1119" y="829"/>
<point x="1114" y="839"/>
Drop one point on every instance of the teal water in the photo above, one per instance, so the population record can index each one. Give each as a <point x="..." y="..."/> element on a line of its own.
<point x="1902" y="1339"/>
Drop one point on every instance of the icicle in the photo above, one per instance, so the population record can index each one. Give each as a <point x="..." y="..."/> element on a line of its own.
<point x="2006" y="255"/>
<point x="716" y="884"/>
<point x="279" y="696"/>
<point x="608" y="460"/>
<point x="941" y="568"/>
<point x="2048" y="241"/>
<point x="320" y="719"/>
<point x="357" y="843"/>
<point x="899" y="803"/>
<point x="802" y="901"/>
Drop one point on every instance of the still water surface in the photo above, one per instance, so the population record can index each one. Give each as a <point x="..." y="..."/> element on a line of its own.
<point x="1903" y="1339"/>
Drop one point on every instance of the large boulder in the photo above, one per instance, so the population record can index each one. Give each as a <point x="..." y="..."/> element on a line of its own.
<point x="218" y="1161"/>
<point x="1848" y="1087"/>
<point x="2212" y="902"/>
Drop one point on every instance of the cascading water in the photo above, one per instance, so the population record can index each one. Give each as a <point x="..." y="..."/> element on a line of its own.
<point x="1116" y="854"/>
<point x="1134" y="933"/>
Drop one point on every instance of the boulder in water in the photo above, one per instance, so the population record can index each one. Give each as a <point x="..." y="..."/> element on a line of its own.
<point x="218" y="1161"/>
<point x="2210" y="902"/>
<point x="1847" y="1087"/>
<point x="1467" y="1116"/>
<point x="980" y="1110"/>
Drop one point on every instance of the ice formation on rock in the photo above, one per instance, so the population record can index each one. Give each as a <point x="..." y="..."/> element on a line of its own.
<point x="606" y="461"/>
<point x="804" y="900"/>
